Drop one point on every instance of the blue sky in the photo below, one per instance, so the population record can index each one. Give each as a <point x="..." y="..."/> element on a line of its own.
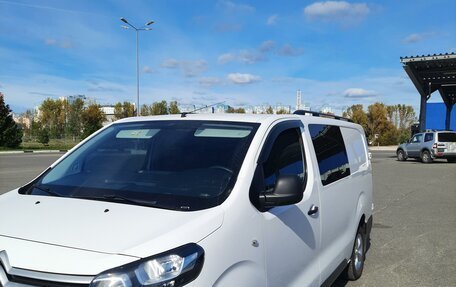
<point x="338" y="53"/>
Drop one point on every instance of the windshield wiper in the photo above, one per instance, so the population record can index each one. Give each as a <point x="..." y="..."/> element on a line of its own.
<point x="117" y="198"/>
<point x="47" y="190"/>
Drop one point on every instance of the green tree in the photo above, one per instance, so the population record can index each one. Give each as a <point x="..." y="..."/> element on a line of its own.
<point x="159" y="108"/>
<point x="282" y="111"/>
<point x="269" y="110"/>
<point x="402" y="117"/>
<point x="74" y="119"/>
<point x="232" y="110"/>
<point x="52" y="116"/>
<point x="124" y="110"/>
<point x="43" y="136"/>
<point x="92" y="119"/>
<point x="10" y="133"/>
<point x="173" y="108"/>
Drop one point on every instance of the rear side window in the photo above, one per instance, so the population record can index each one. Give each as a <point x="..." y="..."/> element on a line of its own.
<point x="428" y="137"/>
<point x="447" y="137"/>
<point x="356" y="149"/>
<point x="330" y="151"/>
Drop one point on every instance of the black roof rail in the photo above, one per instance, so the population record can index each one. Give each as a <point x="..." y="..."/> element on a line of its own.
<point x="318" y="114"/>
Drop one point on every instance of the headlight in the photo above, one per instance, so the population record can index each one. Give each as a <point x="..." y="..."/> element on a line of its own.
<point x="173" y="268"/>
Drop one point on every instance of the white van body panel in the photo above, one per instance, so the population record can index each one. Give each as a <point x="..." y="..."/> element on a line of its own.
<point x="283" y="246"/>
<point x="293" y="236"/>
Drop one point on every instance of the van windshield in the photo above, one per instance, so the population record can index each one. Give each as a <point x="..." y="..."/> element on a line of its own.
<point x="181" y="165"/>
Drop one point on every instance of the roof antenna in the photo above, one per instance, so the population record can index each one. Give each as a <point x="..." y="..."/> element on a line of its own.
<point x="184" y="114"/>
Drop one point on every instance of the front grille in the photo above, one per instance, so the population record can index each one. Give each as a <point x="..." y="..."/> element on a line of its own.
<point x="21" y="281"/>
<point x="42" y="283"/>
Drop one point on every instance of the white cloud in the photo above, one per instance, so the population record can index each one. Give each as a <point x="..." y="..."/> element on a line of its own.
<point x="242" y="79"/>
<point x="272" y="20"/>
<point x="259" y="54"/>
<point x="336" y="10"/>
<point x="226" y="58"/>
<point x="188" y="68"/>
<point x="193" y="68"/>
<point x="267" y="46"/>
<point x="417" y="37"/>
<point x="243" y="56"/>
<point x="64" y="44"/>
<point x="290" y="51"/>
<point x="359" y="93"/>
<point x="147" y="70"/>
<point x="170" y="63"/>
<point x="209" y="81"/>
<point x="232" y="7"/>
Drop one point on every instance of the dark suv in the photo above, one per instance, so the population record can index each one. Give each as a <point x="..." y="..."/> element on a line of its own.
<point x="429" y="145"/>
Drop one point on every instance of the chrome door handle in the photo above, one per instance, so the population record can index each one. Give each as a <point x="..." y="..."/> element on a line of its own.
<point x="313" y="209"/>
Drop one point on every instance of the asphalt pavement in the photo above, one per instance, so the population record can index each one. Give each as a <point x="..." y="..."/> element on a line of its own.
<point x="19" y="169"/>
<point x="414" y="233"/>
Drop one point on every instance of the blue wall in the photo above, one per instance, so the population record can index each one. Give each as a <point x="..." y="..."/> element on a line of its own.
<point x="436" y="114"/>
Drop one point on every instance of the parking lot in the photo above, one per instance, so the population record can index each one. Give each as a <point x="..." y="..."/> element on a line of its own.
<point x="414" y="232"/>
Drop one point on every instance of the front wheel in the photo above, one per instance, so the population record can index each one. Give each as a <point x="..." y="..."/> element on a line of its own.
<point x="356" y="265"/>
<point x="401" y="155"/>
<point x="426" y="157"/>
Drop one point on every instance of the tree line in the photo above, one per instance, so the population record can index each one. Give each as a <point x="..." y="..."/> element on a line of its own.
<point x="127" y="109"/>
<point x="383" y="124"/>
<point x="75" y="120"/>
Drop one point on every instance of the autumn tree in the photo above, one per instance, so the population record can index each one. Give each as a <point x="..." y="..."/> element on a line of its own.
<point x="10" y="133"/>
<point x="92" y="119"/>
<point x="124" y="110"/>
<point x="378" y="123"/>
<point x="357" y="114"/>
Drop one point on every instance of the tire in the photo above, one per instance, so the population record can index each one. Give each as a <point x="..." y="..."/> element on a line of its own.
<point x="401" y="155"/>
<point x="426" y="157"/>
<point x="356" y="266"/>
<point x="451" y="160"/>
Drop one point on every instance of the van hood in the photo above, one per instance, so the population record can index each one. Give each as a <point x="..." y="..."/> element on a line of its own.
<point x="103" y="227"/>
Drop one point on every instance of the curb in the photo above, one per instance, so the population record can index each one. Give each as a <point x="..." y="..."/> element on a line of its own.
<point x="383" y="148"/>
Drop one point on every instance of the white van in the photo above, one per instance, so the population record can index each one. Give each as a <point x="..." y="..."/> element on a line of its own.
<point x="195" y="200"/>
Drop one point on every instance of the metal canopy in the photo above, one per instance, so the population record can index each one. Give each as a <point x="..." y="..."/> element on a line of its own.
<point x="433" y="73"/>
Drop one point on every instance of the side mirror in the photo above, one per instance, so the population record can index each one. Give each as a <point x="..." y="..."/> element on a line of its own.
<point x="288" y="190"/>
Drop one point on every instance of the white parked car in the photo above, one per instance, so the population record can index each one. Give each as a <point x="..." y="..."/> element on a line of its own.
<point x="195" y="200"/>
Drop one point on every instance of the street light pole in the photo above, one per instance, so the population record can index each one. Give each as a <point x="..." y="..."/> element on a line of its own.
<point x="137" y="55"/>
